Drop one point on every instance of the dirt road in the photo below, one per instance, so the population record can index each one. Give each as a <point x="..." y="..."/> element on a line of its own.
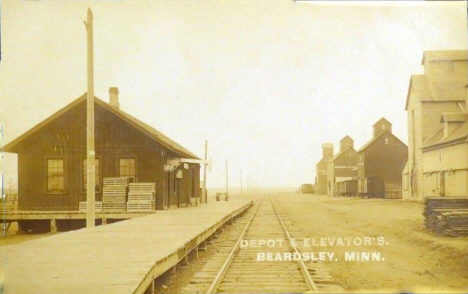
<point x="413" y="258"/>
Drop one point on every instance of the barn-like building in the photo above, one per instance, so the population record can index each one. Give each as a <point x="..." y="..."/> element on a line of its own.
<point x="52" y="158"/>
<point x="340" y="166"/>
<point x="321" y="169"/>
<point x="445" y="158"/>
<point x="380" y="163"/>
<point x="441" y="89"/>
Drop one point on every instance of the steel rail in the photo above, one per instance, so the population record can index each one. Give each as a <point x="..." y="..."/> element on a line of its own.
<point x="305" y="272"/>
<point x="222" y="272"/>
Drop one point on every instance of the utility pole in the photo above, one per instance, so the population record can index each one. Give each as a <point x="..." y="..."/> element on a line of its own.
<point x="227" y="179"/>
<point x="241" y="181"/>
<point x="90" y="173"/>
<point x="203" y="197"/>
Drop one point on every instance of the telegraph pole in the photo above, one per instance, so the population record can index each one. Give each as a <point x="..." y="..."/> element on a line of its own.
<point x="90" y="173"/>
<point x="227" y="179"/>
<point x="203" y="198"/>
<point x="241" y="181"/>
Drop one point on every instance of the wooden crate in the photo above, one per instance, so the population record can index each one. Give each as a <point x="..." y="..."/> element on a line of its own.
<point x="140" y="206"/>
<point x="140" y="196"/>
<point x="114" y="206"/>
<point x="144" y="187"/>
<point x="114" y="193"/>
<point x="83" y="206"/>
<point x="113" y="198"/>
<point x="141" y="192"/>
<point x="120" y="181"/>
<point x="111" y="188"/>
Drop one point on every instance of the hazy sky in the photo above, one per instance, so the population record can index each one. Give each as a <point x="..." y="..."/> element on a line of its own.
<point x="265" y="82"/>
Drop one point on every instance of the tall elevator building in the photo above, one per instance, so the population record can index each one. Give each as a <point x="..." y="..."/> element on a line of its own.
<point x="321" y="172"/>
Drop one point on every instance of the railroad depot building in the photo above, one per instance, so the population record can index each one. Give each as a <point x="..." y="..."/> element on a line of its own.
<point x="380" y="163"/>
<point x="441" y="89"/>
<point x="340" y="166"/>
<point x="445" y="158"/>
<point x="52" y="158"/>
<point x="321" y="169"/>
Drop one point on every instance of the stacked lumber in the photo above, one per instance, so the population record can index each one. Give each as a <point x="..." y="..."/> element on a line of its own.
<point x="455" y="224"/>
<point x="141" y="197"/>
<point x="447" y="215"/>
<point x="114" y="194"/>
<point x="83" y="206"/>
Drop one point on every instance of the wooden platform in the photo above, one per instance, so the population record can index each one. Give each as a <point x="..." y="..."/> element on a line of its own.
<point x="123" y="257"/>
<point x="12" y="216"/>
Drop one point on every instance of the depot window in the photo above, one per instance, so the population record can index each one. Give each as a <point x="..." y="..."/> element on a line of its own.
<point x="55" y="176"/>
<point x="127" y="168"/>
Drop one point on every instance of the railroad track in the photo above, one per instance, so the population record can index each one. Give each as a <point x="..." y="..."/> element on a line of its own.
<point x="236" y="268"/>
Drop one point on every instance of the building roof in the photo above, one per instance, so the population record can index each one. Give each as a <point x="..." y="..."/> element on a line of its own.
<point x="340" y="153"/>
<point x="454" y="117"/>
<point x="145" y="128"/>
<point x="435" y="138"/>
<point x="373" y="140"/>
<point x="420" y="85"/>
<point x="382" y="119"/>
<point x="346" y="137"/>
<point x="445" y="55"/>
<point x="458" y="134"/>
<point x="430" y="89"/>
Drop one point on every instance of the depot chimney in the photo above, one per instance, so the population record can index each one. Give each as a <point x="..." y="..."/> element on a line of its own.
<point x="114" y="97"/>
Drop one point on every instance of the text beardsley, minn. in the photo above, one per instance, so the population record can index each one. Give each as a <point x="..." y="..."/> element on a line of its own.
<point x="319" y="256"/>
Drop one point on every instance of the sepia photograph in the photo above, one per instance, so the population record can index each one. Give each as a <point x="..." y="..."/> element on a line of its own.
<point x="233" y="146"/>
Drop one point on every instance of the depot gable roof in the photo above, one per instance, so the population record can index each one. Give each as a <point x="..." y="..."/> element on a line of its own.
<point x="136" y="123"/>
